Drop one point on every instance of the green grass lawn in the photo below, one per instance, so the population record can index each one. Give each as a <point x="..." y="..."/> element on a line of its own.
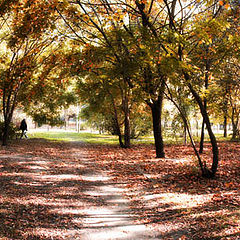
<point x="105" y="138"/>
<point x="86" y="137"/>
<point x="74" y="136"/>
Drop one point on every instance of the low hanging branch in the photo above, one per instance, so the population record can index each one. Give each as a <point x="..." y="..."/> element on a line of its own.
<point x="170" y="97"/>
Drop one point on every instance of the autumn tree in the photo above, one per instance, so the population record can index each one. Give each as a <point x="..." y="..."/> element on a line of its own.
<point x="97" y="27"/>
<point x="178" y="42"/>
<point x="49" y="92"/>
<point x="122" y="19"/>
<point x="26" y="39"/>
<point x="226" y="108"/>
<point x="102" y="87"/>
<point x="210" y="33"/>
<point x="167" y="36"/>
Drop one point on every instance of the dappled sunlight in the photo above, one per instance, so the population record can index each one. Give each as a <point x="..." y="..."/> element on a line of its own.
<point x="75" y="191"/>
<point x="42" y="201"/>
<point x="178" y="160"/>
<point x="37" y="167"/>
<point x="52" y="233"/>
<point x="126" y="232"/>
<point x="66" y="210"/>
<point x="222" y="212"/>
<point x="233" y="230"/>
<point x="73" y="206"/>
<point x="59" y="177"/>
<point x="178" y="200"/>
<point x="95" y="178"/>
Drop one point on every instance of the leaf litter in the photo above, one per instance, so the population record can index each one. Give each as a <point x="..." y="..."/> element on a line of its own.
<point x="42" y="188"/>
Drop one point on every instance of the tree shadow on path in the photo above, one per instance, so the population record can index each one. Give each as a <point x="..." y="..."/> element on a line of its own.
<point x="46" y="198"/>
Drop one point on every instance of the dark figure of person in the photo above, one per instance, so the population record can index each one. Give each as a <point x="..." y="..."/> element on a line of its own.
<point x="23" y="127"/>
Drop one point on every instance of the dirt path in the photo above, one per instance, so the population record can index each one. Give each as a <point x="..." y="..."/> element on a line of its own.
<point x="63" y="198"/>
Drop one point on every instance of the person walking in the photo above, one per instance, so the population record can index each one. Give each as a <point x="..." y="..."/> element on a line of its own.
<point x="23" y="127"/>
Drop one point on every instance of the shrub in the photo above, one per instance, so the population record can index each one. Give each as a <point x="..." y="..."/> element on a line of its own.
<point x="13" y="129"/>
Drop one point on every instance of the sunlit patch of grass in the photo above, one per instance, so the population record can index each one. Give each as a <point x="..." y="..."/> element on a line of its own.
<point x="110" y="139"/>
<point x="74" y="136"/>
<point x="143" y="140"/>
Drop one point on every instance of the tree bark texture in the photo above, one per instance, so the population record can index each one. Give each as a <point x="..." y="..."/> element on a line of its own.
<point x="225" y="127"/>
<point x="156" y="108"/>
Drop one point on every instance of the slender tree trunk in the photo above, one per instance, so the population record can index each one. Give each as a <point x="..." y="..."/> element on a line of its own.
<point x="202" y="138"/>
<point x="185" y="133"/>
<point x="184" y="118"/>
<point x="156" y="108"/>
<point x="126" y="111"/>
<point x="7" y="117"/>
<point x="208" y="173"/>
<point x="225" y="112"/>
<point x="116" y="120"/>
<point x="204" y="102"/>
<point x="119" y="133"/>
<point x="225" y="126"/>
<point x="127" y="131"/>
<point x="235" y="119"/>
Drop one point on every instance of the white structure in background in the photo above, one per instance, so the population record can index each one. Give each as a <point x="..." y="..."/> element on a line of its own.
<point x="71" y="116"/>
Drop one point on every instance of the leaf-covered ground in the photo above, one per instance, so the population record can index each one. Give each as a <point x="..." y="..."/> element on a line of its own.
<point x="52" y="190"/>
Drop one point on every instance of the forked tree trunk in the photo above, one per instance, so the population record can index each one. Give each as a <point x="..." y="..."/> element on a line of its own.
<point x="8" y="110"/>
<point x="186" y="126"/>
<point x="204" y="102"/>
<point x="207" y="173"/>
<point x="116" y="120"/>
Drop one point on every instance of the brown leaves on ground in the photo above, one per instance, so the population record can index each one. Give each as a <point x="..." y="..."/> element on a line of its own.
<point x="169" y="195"/>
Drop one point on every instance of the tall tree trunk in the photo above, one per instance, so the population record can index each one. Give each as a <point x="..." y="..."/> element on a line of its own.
<point x="126" y="111"/>
<point x="207" y="66"/>
<point x="5" y="133"/>
<point x="116" y="120"/>
<point x="207" y="173"/>
<point x="127" y="131"/>
<point x="235" y="120"/>
<point x="185" y="133"/>
<point x="202" y="138"/>
<point x="7" y="120"/>
<point x="225" y="126"/>
<point x="9" y="103"/>
<point x="119" y="133"/>
<point x="156" y="108"/>
<point x="225" y="112"/>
